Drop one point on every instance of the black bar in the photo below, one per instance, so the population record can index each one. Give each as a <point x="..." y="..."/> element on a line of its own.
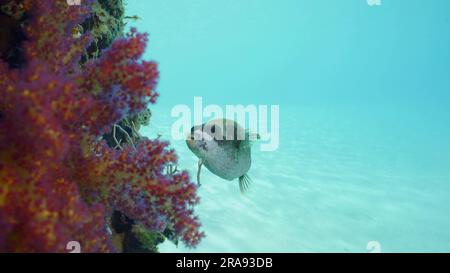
<point x="219" y="262"/>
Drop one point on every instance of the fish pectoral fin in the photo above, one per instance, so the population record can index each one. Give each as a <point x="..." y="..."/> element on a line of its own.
<point x="200" y="164"/>
<point x="244" y="183"/>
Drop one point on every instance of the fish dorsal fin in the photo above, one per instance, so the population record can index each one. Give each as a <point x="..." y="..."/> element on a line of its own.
<point x="244" y="183"/>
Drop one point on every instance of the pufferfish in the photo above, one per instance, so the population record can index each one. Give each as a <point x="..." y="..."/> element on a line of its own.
<point x="224" y="147"/>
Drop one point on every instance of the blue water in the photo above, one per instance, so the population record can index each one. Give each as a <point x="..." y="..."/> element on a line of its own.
<point x="364" y="99"/>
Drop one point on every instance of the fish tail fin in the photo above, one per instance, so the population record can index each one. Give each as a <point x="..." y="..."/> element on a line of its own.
<point x="244" y="183"/>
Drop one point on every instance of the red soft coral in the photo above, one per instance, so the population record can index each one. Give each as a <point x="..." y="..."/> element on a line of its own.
<point x="58" y="183"/>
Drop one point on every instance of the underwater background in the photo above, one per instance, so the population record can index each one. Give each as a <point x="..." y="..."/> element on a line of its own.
<point x="364" y="96"/>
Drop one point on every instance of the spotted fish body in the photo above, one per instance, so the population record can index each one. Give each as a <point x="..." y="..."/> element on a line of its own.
<point x="224" y="148"/>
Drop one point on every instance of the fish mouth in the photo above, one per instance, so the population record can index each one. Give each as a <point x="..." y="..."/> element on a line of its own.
<point x="190" y="139"/>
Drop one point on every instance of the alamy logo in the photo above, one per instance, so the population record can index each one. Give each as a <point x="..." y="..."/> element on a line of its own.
<point x="374" y="247"/>
<point x="253" y="118"/>
<point x="374" y="2"/>
<point x="74" y="247"/>
<point x="73" y="2"/>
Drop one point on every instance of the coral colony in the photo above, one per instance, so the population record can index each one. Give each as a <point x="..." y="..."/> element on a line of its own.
<point x="71" y="155"/>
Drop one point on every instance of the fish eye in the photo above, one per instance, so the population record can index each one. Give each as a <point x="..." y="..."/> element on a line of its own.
<point x="213" y="129"/>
